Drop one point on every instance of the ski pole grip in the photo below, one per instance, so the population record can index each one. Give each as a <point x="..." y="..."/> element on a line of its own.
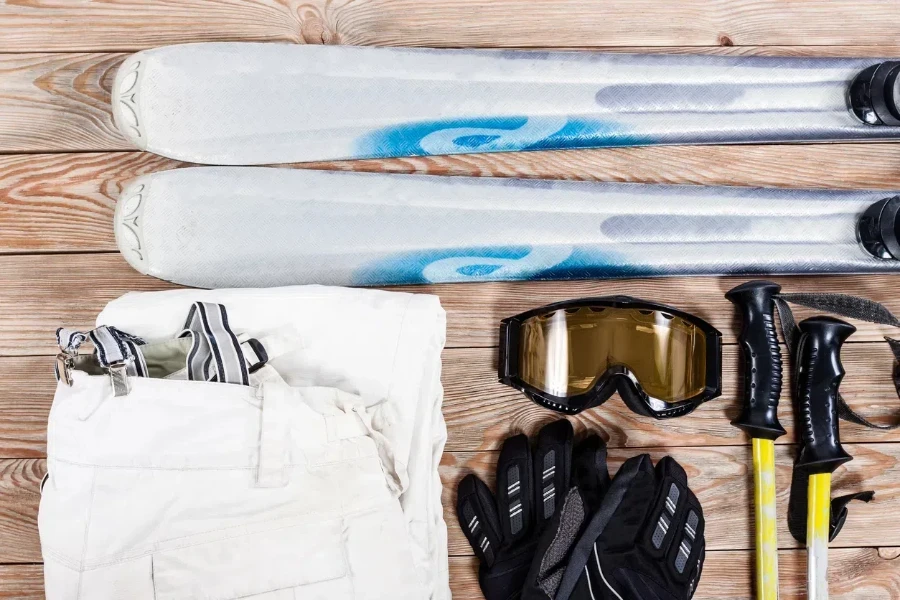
<point x="761" y="359"/>
<point x="818" y="379"/>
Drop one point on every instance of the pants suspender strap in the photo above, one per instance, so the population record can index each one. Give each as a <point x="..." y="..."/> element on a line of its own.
<point x="216" y="354"/>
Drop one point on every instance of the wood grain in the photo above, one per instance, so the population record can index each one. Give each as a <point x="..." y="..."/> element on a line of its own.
<point x="39" y="293"/>
<point x="65" y="202"/>
<point x="855" y="574"/>
<point x="65" y="290"/>
<point x="57" y="102"/>
<point x="20" y="484"/>
<point x="27" y="385"/>
<point x="33" y="25"/>
<point x="481" y="413"/>
<point x="22" y="582"/>
<point x="722" y="478"/>
<point x="719" y="476"/>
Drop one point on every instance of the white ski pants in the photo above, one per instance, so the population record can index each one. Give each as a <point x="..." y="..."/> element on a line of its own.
<point x="179" y="478"/>
<point x="186" y="489"/>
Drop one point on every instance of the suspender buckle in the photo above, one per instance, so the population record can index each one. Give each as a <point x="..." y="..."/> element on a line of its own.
<point x="118" y="378"/>
<point x="65" y="362"/>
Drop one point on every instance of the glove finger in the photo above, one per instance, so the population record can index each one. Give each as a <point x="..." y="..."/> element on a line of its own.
<point x="614" y="526"/>
<point x="554" y="548"/>
<point x="552" y="468"/>
<point x="590" y="473"/>
<point x="515" y="489"/>
<point x="689" y="543"/>
<point x="477" y="514"/>
<point x="676" y="522"/>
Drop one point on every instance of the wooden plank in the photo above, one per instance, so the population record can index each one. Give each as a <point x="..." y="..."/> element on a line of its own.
<point x="132" y="24"/>
<point x="481" y="413"/>
<point x="475" y="310"/>
<point x="27" y="385"/>
<point x="20" y="484"/>
<point x="855" y="574"/>
<point x="57" y="102"/>
<point x="42" y="292"/>
<point x="22" y="582"/>
<point x="65" y="290"/>
<point x="65" y="202"/>
<point x="722" y="478"/>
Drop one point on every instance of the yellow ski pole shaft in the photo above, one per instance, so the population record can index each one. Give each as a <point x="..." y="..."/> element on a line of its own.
<point x="818" y="379"/>
<point x="766" y="521"/>
<point x="818" y="525"/>
<point x="759" y="417"/>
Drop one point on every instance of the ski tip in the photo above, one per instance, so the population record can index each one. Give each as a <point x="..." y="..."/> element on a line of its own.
<point x="128" y="224"/>
<point x="126" y="100"/>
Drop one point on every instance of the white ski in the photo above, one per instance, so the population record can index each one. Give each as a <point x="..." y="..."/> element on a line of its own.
<point x="254" y="103"/>
<point x="255" y="226"/>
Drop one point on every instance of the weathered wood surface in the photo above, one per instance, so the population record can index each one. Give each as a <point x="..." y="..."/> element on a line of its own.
<point x="57" y="61"/>
<point x="32" y="25"/>
<point x="481" y="413"/>
<point x="20" y="483"/>
<point x="721" y="477"/>
<point x="57" y="102"/>
<point x="855" y="574"/>
<point x="727" y="574"/>
<point x="65" y="202"/>
<point x="39" y="293"/>
<point x="22" y="582"/>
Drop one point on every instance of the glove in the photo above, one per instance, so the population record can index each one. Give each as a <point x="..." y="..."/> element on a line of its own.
<point x="645" y="541"/>
<point x="504" y="532"/>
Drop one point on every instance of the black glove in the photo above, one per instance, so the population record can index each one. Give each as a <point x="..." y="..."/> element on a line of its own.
<point x="645" y="542"/>
<point x="504" y="532"/>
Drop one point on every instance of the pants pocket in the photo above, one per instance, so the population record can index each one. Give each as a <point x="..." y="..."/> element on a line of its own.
<point x="252" y="564"/>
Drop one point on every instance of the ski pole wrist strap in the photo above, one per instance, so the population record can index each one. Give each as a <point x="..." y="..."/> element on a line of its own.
<point x="846" y="306"/>
<point x="855" y="308"/>
<point x="797" y="506"/>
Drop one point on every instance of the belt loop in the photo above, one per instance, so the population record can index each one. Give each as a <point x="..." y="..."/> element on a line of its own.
<point x="273" y="435"/>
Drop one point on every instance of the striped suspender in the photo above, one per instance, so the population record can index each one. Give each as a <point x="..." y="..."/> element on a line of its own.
<point x="113" y="347"/>
<point x="216" y="354"/>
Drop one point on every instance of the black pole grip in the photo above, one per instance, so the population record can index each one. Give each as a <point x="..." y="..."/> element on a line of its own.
<point x="818" y="379"/>
<point x="761" y="359"/>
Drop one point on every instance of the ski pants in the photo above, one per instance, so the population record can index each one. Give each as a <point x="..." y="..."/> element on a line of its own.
<point x="193" y="489"/>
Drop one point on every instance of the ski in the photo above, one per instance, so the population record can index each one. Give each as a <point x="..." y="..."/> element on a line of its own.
<point x="254" y="103"/>
<point x="255" y="226"/>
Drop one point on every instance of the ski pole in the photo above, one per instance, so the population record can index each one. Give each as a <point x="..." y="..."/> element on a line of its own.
<point x="759" y="417"/>
<point x="818" y="378"/>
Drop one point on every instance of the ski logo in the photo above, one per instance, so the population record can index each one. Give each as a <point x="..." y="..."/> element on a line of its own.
<point x="495" y="134"/>
<point x="511" y="263"/>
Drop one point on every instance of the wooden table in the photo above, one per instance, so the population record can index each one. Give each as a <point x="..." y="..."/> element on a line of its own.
<point x="62" y="164"/>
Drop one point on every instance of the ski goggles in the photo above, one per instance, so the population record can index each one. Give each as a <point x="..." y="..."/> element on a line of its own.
<point x="571" y="356"/>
